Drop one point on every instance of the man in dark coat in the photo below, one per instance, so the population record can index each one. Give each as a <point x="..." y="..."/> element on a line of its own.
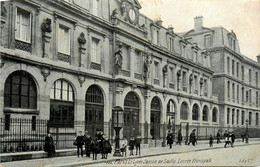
<point x="87" y="141"/>
<point x="218" y="137"/>
<point x="131" y="145"/>
<point x="192" y="138"/>
<point x="169" y="139"/>
<point x="106" y="147"/>
<point x="138" y="144"/>
<point x="49" y="145"/>
<point x="94" y="146"/>
<point x="233" y="137"/>
<point x="211" y="141"/>
<point x="80" y="143"/>
<point x="179" y="138"/>
<point x="226" y="137"/>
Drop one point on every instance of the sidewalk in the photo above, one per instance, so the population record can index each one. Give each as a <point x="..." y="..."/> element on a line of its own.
<point x="155" y="151"/>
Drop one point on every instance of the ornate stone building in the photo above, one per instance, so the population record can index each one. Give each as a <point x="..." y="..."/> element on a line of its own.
<point x="235" y="78"/>
<point x="73" y="61"/>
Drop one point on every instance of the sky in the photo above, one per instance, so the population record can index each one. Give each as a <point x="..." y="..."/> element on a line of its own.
<point x="241" y="16"/>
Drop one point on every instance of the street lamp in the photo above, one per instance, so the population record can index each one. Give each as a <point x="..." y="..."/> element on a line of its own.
<point x="118" y="124"/>
<point x="247" y="130"/>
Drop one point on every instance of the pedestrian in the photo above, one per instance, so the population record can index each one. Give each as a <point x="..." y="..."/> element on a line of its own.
<point x="226" y="137"/>
<point x="179" y="138"/>
<point x="123" y="149"/>
<point x="192" y="137"/>
<point x="131" y="145"/>
<point x="138" y="144"/>
<point x="102" y="146"/>
<point x="218" y="137"/>
<point x="169" y="139"/>
<point x="80" y="143"/>
<point x="94" y="147"/>
<point x="233" y="137"/>
<point x="211" y="141"/>
<point x="106" y="147"/>
<point x="87" y="141"/>
<point x="243" y="137"/>
<point x="49" y="145"/>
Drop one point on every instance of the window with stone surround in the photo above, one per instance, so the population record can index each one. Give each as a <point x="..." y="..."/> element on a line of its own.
<point x="237" y="93"/>
<point x="205" y="113"/>
<point x="238" y="114"/>
<point x="228" y="89"/>
<point x="184" y="111"/>
<point x="233" y="91"/>
<point x="138" y="62"/>
<point x="250" y="75"/>
<point x="195" y="112"/>
<point x="214" y="115"/>
<point x="233" y="67"/>
<point x="95" y="50"/>
<point x="228" y="115"/>
<point x="228" y="65"/>
<point x="243" y="118"/>
<point x="250" y="118"/>
<point x="207" y="40"/>
<point x="243" y="72"/>
<point x="256" y="78"/>
<point x="238" y="69"/>
<point x="171" y="44"/>
<point x="184" y="81"/>
<point x="256" y="119"/>
<point x="64" y="39"/>
<point x="205" y="87"/>
<point x="243" y="94"/>
<point x="256" y="98"/>
<point x="233" y="116"/>
<point x="156" y="70"/>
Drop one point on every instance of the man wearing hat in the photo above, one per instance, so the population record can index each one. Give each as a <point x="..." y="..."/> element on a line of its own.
<point x="80" y="143"/>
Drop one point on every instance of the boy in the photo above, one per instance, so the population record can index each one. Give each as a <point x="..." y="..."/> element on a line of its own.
<point x="210" y="141"/>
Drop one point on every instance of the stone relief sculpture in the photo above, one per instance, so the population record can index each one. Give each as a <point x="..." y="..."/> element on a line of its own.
<point x="124" y="11"/>
<point x="82" y="49"/>
<point x="81" y="39"/>
<point x="147" y="63"/>
<point x="46" y="36"/>
<point x="3" y="10"/>
<point x="118" y="56"/>
<point x="165" y="73"/>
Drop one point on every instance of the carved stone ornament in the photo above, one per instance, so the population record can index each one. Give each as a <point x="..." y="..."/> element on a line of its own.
<point x="46" y="25"/>
<point x="191" y="77"/>
<point x="201" y="81"/>
<point x="118" y="56"/>
<point x="45" y="73"/>
<point x="165" y="70"/>
<point x="81" y="39"/>
<point x="81" y="80"/>
<point x="179" y="73"/>
<point x="178" y="98"/>
<point x="3" y="10"/>
<point x="147" y="64"/>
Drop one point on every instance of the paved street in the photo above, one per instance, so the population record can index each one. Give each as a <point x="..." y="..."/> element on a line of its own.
<point x="179" y="155"/>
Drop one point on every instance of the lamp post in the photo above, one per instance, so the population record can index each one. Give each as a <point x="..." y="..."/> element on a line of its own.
<point x="118" y="124"/>
<point x="247" y="130"/>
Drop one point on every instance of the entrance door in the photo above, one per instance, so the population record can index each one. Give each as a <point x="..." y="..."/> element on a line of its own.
<point x="94" y="110"/>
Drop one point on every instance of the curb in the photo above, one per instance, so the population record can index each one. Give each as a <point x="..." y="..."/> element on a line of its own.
<point x="142" y="156"/>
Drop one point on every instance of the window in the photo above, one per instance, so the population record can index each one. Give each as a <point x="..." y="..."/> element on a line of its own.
<point x="237" y="117"/>
<point x="95" y="50"/>
<point x="63" y="40"/>
<point x="228" y="115"/>
<point x="171" y="45"/>
<point x="195" y="112"/>
<point x="23" y="26"/>
<point x="256" y="119"/>
<point x="233" y="116"/>
<point x="243" y="73"/>
<point x="243" y="94"/>
<point x="256" y="78"/>
<point x="156" y="70"/>
<point x="184" y="111"/>
<point x="171" y="75"/>
<point x="233" y="67"/>
<point x="243" y="118"/>
<point x="196" y="83"/>
<point x="195" y="56"/>
<point x="233" y="91"/>
<point x="238" y="93"/>
<point x="250" y="96"/>
<point x="20" y="91"/>
<point x="155" y="117"/>
<point x="155" y="36"/>
<point x="250" y="118"/>
<point x="237" y="69"/>
<point x="95" y="7"/>
<point x="214" y="115"/>
<point x="184" y="81"/>
<point x="183" y="50"/>
<point x="256" y="99"/>
<point x="228" y="89"/>
<point x="62" y="104"/>
<point x="205" y="113"/>
<point x="250" y="75"/>
<point x="138" y="62"/>
<point x="126" y="57"/>
<point x="205" y="87"/>
<point x="232" y="43"/>
<point x="171" y="109"/>
<point x="228" y="65"/>
<point x="207" y="40"/>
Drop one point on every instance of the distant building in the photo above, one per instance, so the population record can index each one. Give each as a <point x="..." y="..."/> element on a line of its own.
<point x="235" y="78"/>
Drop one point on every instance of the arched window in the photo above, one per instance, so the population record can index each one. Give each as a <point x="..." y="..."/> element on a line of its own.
<point x="131" y="115"/>
<point x="214" y="115"/>
<point x="195" y="112"/>
<point x="94" y="110"/>
<point x="184" y="111"/>
<point x="155" y="117"/>
<point x="205" y="113"/>
<point x="171" y="113"/>
<point x="20" y="91"/>
<point x="62" y="104"/>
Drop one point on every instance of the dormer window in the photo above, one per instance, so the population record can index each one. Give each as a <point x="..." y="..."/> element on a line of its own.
<point x="207" y="40"/>
<point x="171" y="44"/>
<point x="155" y="36"/>
<point x="232" y="43"/>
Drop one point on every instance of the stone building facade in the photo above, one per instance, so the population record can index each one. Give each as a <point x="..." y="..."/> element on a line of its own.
<point x="235" y="78"/>
<point x="71" y="62"/>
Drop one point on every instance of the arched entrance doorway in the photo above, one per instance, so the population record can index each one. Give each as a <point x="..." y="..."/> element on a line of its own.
<point x="94" y="110"/>
<point x="131" y="115"/>
<point x="171" y="111"/>
<point x="155" y="118"/>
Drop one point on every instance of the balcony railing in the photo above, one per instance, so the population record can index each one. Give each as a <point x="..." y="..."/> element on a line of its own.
<point x="156" y="81"/>
<point x="184" y="88"/>
<point x="95" y="66"/>
<point x="23" y="46"/>
<point x="125" y="73"/>
<point x="64" y="57"/>
<point x="138" y="76"/>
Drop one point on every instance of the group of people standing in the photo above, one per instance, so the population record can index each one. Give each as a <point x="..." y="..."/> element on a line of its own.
<point x="99" y="145"/>
<point x="134" y="143"/>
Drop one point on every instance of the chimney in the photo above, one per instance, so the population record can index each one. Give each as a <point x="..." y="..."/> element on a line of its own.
<point x="258" y="58"/>
<point x="198" y="23"/>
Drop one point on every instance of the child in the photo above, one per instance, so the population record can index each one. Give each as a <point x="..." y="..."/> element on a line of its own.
<point x="124" y="146"/>
<point x="210" y="141"/>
